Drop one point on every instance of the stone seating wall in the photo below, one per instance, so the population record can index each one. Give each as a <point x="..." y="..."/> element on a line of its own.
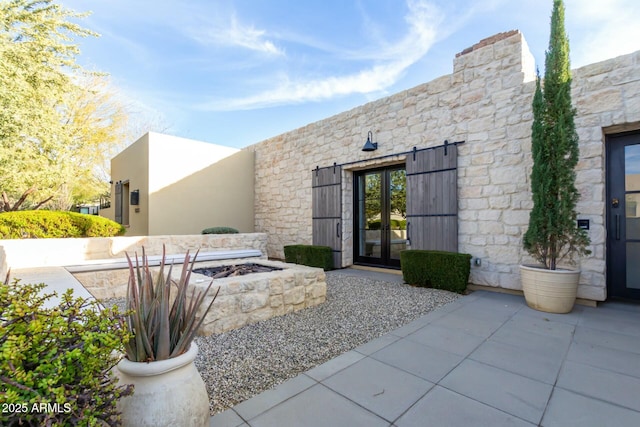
<point x="29" y="253"/>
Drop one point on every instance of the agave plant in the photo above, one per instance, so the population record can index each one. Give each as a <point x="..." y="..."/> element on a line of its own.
<point x="161" y="329"/>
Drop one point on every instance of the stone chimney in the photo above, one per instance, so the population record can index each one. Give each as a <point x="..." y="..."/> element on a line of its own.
<point x="502" y="54"/>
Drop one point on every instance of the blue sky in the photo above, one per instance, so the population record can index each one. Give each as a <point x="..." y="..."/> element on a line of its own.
<point x="238" y="72"/>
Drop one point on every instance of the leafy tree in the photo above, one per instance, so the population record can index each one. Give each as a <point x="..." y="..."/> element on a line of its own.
<point x="373" y="191"/>
<point x="97" y="122"/>
<point x="372" y="194"/>
<point x="553" y="233"/>
<point x="36" y="59"/>
<point x="59" y="125"/>
<point x="399" y="192"/>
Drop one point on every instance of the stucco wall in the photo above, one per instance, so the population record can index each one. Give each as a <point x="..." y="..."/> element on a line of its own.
<point x="185" y="185"/>
<point x="172" y="159"/>
<point x="218" y="195"/>
<point x="132" y="165"/>
<point x="486" y="102"/>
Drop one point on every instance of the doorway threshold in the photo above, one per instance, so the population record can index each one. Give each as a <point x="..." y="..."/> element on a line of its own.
<point x="389" y="270"/>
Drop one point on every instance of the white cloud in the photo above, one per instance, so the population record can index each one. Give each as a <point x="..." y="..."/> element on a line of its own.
<point x="235" y="34"/>
<point x="391" y="60"/>
<point x="600" y="29"/>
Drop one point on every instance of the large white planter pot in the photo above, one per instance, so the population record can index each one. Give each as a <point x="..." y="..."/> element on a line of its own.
<point x="166" y="393"/>
<point x="552" y="291"/>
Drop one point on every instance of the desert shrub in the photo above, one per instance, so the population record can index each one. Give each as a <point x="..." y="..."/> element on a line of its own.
<point x="160" y="328"/>
<point x="436" y="269"/>
<point x="396" y="224"/>
<point x="310" y="255"/>
<point x="55" y="362"/>
<point x="374" y="225"/>
<point x="399" y="224"/>
<point x="220" y="230"/>
<point x="55" y="224"/>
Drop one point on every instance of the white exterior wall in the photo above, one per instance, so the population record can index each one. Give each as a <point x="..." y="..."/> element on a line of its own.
<point x="172" y="159"/>
<point x="184" y="185"/>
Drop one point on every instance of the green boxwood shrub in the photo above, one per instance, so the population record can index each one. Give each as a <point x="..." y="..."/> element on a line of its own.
<point x="220" y="230"/>
<point x="55" y="362"/>
<point x="396" y="224"/>
<point x="313" y="256"/>
<point x="55" y="224"/>
<point x="436" y="269"/>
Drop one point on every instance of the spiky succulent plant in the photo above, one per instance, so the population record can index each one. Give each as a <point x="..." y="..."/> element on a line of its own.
<point x="162" y="329"/>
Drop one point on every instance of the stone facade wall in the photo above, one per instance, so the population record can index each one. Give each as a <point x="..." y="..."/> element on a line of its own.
<point x="606" y="96"/>
<point x="485" y="102"/>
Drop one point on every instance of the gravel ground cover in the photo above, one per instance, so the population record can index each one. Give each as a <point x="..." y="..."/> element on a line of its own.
<point x="242" y="363"/>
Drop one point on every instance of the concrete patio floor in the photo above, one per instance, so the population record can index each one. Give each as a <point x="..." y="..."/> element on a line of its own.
<point x="484" y="360"/>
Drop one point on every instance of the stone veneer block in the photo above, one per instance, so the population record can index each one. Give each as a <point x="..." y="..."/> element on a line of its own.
<point x="259" y="296"/>
<point x="242" y="300"/>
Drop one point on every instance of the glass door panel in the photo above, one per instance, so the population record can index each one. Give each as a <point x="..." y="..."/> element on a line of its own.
<point x="398" y="212"/>
<point x="381" y="216"/>
<point x="370" y="214"/>
<point x="632" y="214"/>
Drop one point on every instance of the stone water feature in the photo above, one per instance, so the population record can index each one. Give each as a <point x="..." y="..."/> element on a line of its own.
<point x="250" y="298"/>
<point x="243" y="298"/>
<point x="235" y="270"/>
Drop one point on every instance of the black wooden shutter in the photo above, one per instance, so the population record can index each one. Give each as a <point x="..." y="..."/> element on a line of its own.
<point x="327" y="210"/>
<point x="118" y="207"/>
<point x="432" y="199"/>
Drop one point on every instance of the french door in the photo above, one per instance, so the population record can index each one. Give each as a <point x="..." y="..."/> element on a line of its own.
<point x="380" y="216"/>
<point x="623" y="215"/>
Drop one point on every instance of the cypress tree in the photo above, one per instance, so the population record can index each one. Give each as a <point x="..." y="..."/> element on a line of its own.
<point x="553" y="233"/>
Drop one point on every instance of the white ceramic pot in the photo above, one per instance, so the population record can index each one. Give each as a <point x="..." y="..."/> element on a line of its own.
<point x="552" y="291"/>
<point x="166" y="393"/>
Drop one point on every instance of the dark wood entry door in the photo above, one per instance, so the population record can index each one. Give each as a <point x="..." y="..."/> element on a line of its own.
<point x="380" y="212"/>
<point x="432" y="199"/>
<point x="327" y="210"/>
<point x="623" y="215"/>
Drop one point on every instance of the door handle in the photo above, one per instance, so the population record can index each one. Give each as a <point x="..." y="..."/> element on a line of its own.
<point x="408" y="235"/>
<point x="617" y="227"/>
<point x="338" y="230"/>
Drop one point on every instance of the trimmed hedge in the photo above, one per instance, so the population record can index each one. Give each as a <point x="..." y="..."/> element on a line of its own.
<point x="220" y="230"/>
<point x="55" y="224"/>
<point x="436" y="269"/>
<point x="313" y="256"/>
<point x="396" y="224"/>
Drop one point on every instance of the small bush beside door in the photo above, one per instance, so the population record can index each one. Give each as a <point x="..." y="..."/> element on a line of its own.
<point x="310" y="255"/>
<point x="436" y="269"/>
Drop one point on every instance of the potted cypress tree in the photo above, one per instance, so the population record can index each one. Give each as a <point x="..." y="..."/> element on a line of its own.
<point x="553" y="236"/>
<point x="168" y="390"/>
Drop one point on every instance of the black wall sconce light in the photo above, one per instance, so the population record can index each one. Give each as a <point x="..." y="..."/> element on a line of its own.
<point x="369" y="145"/>
<point x="135" y="197"/>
